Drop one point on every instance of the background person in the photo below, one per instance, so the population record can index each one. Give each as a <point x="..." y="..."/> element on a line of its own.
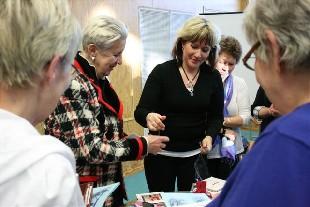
<point x="263" y="112"/>
<point x="275" y="172"/>
<point x="263" y="109"/>
<point x="37" y="49"/>
<point x="88" y="117"/>
<point x="236" y="109"/>
<point x="183" y="99"/>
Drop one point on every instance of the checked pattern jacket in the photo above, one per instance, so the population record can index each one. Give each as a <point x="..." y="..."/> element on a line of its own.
<point x="88" y="118"/>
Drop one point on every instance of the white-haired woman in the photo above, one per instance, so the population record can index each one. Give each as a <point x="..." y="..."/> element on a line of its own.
<point x="275" y="173"/>
<point x="88" y="117"/>
<point x="183" y="99"/>
<point x="37" y="49"/>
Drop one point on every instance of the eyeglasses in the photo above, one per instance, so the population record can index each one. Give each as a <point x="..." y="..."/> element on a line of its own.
<point x="246" y="62"/>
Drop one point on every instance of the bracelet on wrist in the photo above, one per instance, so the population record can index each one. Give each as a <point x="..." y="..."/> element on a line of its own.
<point x="147" y="143"/>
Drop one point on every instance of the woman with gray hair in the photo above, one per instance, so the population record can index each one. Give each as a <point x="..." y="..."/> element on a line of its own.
<point x="88" y="117"/>
<point x="37" y="49"/>
<point x="183" y="99"/>
<point x="276" y="171"/>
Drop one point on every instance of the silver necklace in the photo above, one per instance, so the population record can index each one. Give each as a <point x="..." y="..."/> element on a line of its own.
<point x="190" y="83"/>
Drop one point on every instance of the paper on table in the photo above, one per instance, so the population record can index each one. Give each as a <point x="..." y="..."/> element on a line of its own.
<point x="100" y="194"/>
<point x="185" y="199"/>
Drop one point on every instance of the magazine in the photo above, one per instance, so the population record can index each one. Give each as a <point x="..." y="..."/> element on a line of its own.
<point x="160" y="199"/>
<point x="100" y="194"/>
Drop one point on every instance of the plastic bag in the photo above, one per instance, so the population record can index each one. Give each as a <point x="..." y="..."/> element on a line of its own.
<point x="201" y="168"/>
<point x="228" y="148"/>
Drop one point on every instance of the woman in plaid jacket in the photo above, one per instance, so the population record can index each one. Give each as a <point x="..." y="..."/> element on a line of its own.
<point x="88" y="117"/>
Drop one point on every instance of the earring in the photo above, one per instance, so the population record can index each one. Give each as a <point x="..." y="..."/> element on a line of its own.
<point x="92" y="58"/>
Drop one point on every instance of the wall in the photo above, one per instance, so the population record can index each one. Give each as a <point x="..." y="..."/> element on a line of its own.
<point x="224" y="21"/>
<point x="126" y="79"/>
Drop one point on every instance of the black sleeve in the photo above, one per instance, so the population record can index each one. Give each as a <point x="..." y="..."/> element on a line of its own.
<point x="215" y="116"/>
<point x="260" y="99"/>
<point x="149" y="100"/>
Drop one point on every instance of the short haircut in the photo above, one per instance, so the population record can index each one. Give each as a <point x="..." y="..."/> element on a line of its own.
<point x="103" y="31"/>
<point x="32" y="33"/>
<point x="289" y="21"/>
<point x="197" y="29"/>
<point x="231" y="46"/>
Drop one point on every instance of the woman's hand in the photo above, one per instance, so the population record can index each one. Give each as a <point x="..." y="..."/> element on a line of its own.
<point x="155" y="143"/>
<point x="206" y="145"/>
<point x="231" y="134"/>
<point x="154" y="122"/>
<point x="273" y="111"/>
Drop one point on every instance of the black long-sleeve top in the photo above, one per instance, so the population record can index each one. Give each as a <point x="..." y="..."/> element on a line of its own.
<point x="262" y="100"/>
<point x="189" y="118"/>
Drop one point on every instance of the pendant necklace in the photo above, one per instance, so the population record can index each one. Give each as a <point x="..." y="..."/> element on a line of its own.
<point x="190" y="83"/>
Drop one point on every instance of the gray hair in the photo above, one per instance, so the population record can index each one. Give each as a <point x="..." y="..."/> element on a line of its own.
<point x="32" y="32"/>
<point x="103" y="31"/>
<point x="289" y="21"/>
<point x="198" y="29"/>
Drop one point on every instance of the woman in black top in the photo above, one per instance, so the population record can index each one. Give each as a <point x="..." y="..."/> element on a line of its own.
<point x="183" y="99"/>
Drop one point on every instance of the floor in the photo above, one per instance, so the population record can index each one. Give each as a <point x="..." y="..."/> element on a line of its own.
<point x="135" y="184"/>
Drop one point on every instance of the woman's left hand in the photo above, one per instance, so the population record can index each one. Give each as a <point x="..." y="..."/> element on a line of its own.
<point x="206" y="145"/>
<point x="231" y="134"/>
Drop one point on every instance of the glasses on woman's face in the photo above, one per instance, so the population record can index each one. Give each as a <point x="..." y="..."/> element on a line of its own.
<point x="249" y="58"/>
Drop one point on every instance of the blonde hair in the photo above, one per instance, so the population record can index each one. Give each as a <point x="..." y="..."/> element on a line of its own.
<point x="289" y="21"/>
<point x="197" y="29"/>
<point x="32" y="32"/>
<point x="103" y="31"/>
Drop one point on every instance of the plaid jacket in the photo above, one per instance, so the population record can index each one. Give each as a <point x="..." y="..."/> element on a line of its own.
<point x="88" y="118"/>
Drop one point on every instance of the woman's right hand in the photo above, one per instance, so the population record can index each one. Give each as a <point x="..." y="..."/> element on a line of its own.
<point x="154" y="122"/>
<point x="156" y="143"/>
<point x="206" y="145"/>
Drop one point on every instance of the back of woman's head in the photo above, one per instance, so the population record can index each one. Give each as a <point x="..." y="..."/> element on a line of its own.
<point x="103" y="31"/>
<point x="231" y="46"/>
<point x="197" y="29"/>
<point x="32" y="32"/>
<point x="289" y="21"/>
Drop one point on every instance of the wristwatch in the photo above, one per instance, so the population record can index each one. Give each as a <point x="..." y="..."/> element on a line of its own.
<point x="256" y="111"/>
